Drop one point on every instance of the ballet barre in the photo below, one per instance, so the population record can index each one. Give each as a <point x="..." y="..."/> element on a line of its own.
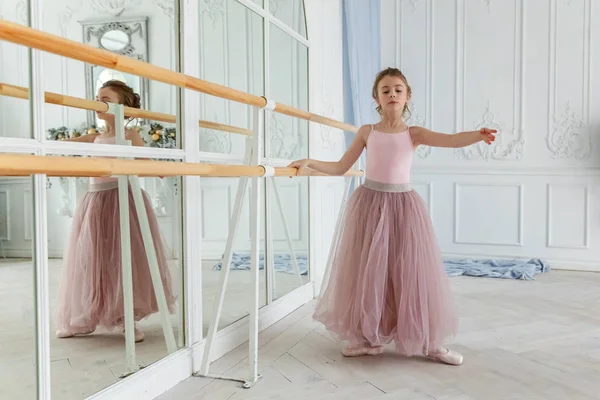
<point x="93" y="105"/>
<point x="13" y="164"/>
<point x="37" y="39"/>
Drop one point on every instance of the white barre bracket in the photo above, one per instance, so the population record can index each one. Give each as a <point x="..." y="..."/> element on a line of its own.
<point x="270" y="104"/>
<point x="269" y="170"/>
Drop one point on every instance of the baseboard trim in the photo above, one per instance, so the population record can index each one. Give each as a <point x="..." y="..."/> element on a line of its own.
<point x="152" y="381"/>
<point x="555" y="264"/>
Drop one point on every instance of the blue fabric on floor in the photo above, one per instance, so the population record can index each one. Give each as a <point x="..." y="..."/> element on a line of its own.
<point x="283" y="263"/>
<point x="490" y="268"/>
<point x="506" y="269"/>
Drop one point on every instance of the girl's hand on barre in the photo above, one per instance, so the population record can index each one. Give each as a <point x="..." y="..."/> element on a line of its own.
<point x="301" y="165"/>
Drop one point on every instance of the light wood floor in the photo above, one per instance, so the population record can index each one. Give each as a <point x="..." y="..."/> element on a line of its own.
<point x="527" y="340"/>
<point x="82" y="366"/>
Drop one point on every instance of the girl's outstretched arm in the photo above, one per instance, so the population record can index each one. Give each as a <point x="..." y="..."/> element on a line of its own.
<point x="337" y="167"/>
<point x="463" y="139"/>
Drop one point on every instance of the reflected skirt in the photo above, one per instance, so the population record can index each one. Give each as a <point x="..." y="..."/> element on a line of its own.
<point x="386" y="281"/>
<point x="91" y="288"/>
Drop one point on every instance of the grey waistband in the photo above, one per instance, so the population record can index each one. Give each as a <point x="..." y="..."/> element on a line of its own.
<point x="388" y="187"/>
<point x="100" y="187"/>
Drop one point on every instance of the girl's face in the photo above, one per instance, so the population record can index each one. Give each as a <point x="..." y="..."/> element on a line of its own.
<point x="392" y="95"/>
<point x="107" y="95"/>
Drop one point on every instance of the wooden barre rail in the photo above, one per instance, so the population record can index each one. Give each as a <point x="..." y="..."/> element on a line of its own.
<point x="25" y="164"/>
<point x="47" y="42"/>
<point x="93" y="105"/>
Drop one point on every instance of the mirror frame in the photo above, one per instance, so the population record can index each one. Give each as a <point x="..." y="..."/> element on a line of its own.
<point x="137" y="31"/>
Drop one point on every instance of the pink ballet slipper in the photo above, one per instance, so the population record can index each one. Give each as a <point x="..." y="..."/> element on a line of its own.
<point x="361" y="350"/>
<point x="446" y="356"/>
<point x="63" y="334"/>
<point x="139" y="335"/>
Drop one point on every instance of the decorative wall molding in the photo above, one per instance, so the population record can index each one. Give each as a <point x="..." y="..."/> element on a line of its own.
<point x="113" y="7"/>
<point x="23" y="12"/>
<point x="66" y="207"/>
<point x="586" y="218"/>
<point x="458" y="240"/>
<point x="495" y="151"/>
<point x="569" y="135"/>
<point x="214" y="9"/>
<point x="331" y="139"/>
<point x="167" y="7"/>
<point x="284" y="143"/>
<point x="503" y="148"/>
<point x="275" y="4"/>
<point x="215" y="141"/>
<point x="413" y="4"/>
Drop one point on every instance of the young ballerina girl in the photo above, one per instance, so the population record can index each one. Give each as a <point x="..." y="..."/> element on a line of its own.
<point x="386" y="281"/>
<point x="91" y="291"/>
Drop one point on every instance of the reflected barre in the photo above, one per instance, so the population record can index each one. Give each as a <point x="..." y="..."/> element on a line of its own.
<point x="93" y="105"/>
<point x="47" y="42"/>
<point x="24" y="164"/>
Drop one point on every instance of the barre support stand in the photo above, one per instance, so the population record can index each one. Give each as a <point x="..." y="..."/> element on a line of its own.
<point x="253" y="156"/>
<point x="126" y="263"/>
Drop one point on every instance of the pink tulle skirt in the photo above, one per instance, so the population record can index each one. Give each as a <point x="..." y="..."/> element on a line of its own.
<point x="386" y="281"/>
<point x="91" y="287"/>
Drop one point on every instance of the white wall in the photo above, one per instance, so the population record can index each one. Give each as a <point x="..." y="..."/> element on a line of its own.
<point x="326" y="143"/>
<point x="524" y="67"/>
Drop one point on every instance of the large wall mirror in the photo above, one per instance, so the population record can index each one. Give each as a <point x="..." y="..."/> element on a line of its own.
<point x="232" y="47"/>
<point x="84" y="360"/>
<point x="127" y="37"/>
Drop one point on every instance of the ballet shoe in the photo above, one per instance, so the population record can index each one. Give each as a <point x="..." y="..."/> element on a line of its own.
<point x="361" y="350"/>
<point x="139" y="335"/>
<point x="63" y="333"/>
<point x="446" y="356"/>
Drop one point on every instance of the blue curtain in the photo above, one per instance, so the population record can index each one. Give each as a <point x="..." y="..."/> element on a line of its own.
<point x="361" y="61"/>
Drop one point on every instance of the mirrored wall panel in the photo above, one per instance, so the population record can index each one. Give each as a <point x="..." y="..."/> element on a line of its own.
<point x="17" y="291"/>
<point x="144" y="31"/>
<point x="218" y="208"/>
<point x="288" y="254"/>
<point x="87" y="292"/>
<point x="287" y="137"/>
<point x="231" y="54"/>
<point x="291" y="13"/>
<point x="14" y="76"/>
